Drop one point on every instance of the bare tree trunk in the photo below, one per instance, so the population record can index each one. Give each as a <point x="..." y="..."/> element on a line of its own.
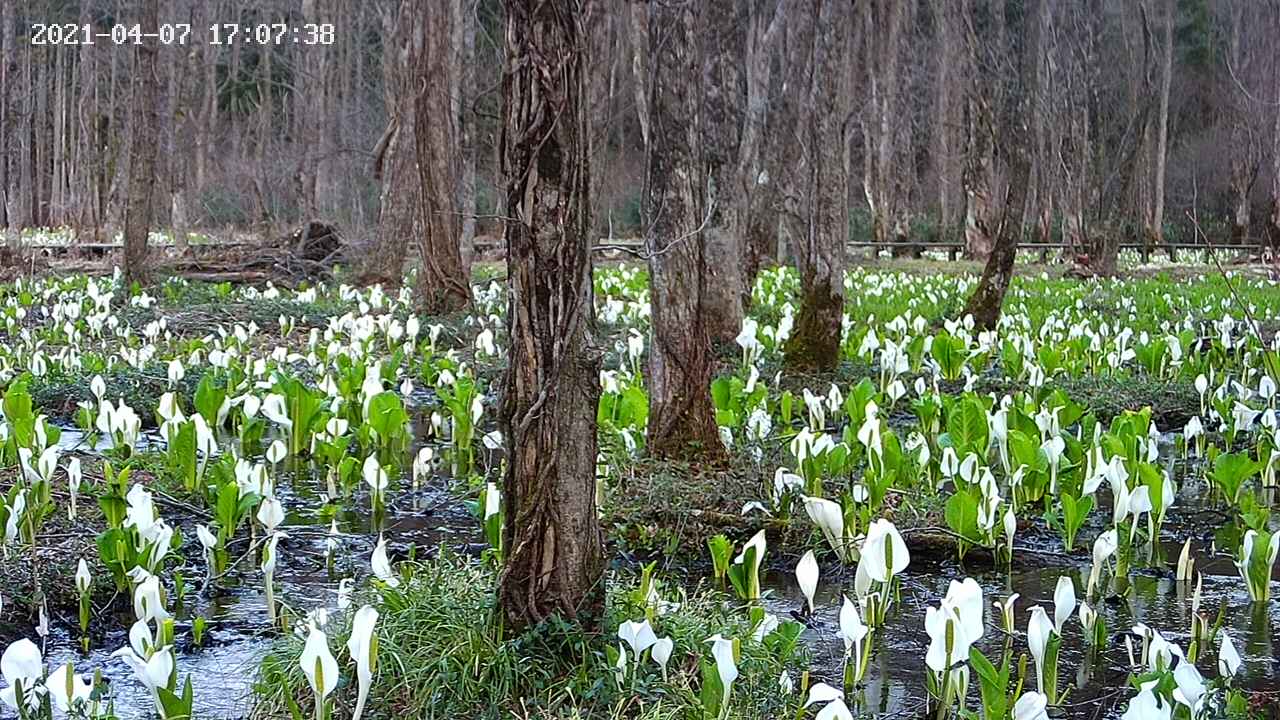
<point x="1275" y="134"/>
<point x="886" y="24"/>
<point x="677" y="213"/>
<point x="1246" y="156"/>
<point x="444" y="280"/>
<point x="395" y="156"/>
<point x="640" y="64"/>
<point x="756" y="219"/>
<point x="142" y="153"/>
<point x="8" y="179"/>
<point x="552" y="385"/>
<point x="943" y="119"/>
<point x="982" y="96"/>
<point x="988" y="296"/>
<point x="467" y="126"/>
<point x="718" y="43"/>
<point x="979" y="215"/>
<point x="815" y="340"/>
<point x="1155" y="232"/>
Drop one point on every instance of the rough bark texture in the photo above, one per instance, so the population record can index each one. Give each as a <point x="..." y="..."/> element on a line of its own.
<point x="443" y="277"/>
<point x="979" y="217"/>
<point x="718" y="42"/>
<point x="819" y="251"/>
<point x="1155" y="231"/>
<point x="552" y="383"/>
<point x="8" y="174"/>
<point x="1018" y="141"/>
<point x="142" y="155"/>
<point x="757" y="223"/>
<point x="1274" y="226"/>
<point x="395" y="157"/>
<point x="678" y="242"/>
<point x="886" y="25"/>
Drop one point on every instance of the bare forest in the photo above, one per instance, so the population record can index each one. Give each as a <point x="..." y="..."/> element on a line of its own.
<point x="1081" y="124"/>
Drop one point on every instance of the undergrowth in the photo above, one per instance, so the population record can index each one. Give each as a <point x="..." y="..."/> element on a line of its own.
<point x="441" y="654"/>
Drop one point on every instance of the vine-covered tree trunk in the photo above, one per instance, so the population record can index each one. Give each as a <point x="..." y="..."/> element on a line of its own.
<point x="681" y="414"/>
<point x="444" y="280"/>
<point x="815" y="339"/>
<point x="552" y="382"/>
<point x="988" y="297"/>
<point x="142" y="151"/>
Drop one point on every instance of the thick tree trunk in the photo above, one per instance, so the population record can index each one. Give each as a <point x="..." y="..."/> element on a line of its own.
<point x="815" y="339"/>
<point x="1245" y="157"/>
<point x="886" y="24"/>
<point x="979" y="213"/>
<point x="142" y="151"/>
<point x="8" y="179"/>
<point x="1275" y="136"/>
<point x="988" y="296"/>
<point x="756" y="218"/>
<point x="552" y="384"/>
<point x="467" y="126"/>
<point x="943" y="116"/>
<point x="444" y="279"/>
<point x="718" y="43"/>
<point x="395" y="157"/>
<point x="677" y="241"/>
<point x="1155" y="232"/>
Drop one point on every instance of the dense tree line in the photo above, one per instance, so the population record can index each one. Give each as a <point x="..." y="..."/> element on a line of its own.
<point x="1142" y="109"/>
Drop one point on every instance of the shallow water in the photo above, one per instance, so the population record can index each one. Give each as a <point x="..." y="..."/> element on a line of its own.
<point x="895" y="679"/>
<point x="237" y="635"/>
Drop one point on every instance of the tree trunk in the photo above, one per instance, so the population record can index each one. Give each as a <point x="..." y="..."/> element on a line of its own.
<point x="988" y="297"/>
<point x="943" y="118"/>
<point x="755" y="215"/>
<point x="815" y="339"/>
<point x="142" y="154"/>
<point x="1275" y="134"/>
<point x="395" y="157"/>
<point x="677" y="213"/>
<point x="467" y="126"/>
<point x="1155" y="232"/>
<point x="886" y="23"/>
<point x="979" y="216"/>
<point x="8" y="179"/>
<point x="551" y="388"/>
<point x="444" y="280"/>
<point x="718" y="42"/>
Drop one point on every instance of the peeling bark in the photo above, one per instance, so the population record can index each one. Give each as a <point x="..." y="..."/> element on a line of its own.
<point x="552" y="383"/>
